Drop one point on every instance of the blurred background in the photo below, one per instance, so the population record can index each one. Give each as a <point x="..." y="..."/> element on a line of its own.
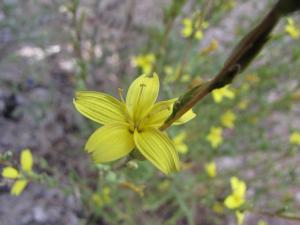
<point x="51" y="48"/>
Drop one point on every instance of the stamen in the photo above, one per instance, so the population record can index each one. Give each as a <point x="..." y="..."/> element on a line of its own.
<point x="142" y="86"/>
<point x="120" y="92"/>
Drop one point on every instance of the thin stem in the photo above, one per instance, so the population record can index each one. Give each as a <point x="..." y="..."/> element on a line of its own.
<point x="242" y="55"/>
<point x="275" y="214"/>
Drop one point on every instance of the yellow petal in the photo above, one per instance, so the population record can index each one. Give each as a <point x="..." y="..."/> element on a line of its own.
<point x="262" y="222"/>
<point x="18" y="187"/>
<point x="215" y="136"/>
<point x="110" y="142"/>
<point x="219" y="94"/>
<point x="26" y="160"/>
<point x="211" y="169"/>
<point x="238" y="187"/>
<point x="10" y="172"/>
<point x="141" y="96"/>
<point x="240" y="217"/>
<point x="162" y="110"/>
<point x="158" y="149"/>
<point x="233" y="202"/>
<point x="178" y="141"/>
<point x="295" y="138"/>
<point x="189" y="115"/>
<point x="228" y="119"/>
<point x="99" y="107"/>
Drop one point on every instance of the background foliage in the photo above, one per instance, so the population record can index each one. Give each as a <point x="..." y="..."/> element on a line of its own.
<point x="49" y="49"/>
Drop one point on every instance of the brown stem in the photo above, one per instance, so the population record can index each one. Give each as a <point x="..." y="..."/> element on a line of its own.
<point x="241" y="56"/>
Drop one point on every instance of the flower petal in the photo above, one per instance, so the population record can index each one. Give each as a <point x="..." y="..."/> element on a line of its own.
<point x="233" y="202"/>
<point x="99" y="107"/>
<point x="10" y="172"/>
<point x="238" y="187"/>
<point x="110" y="142"/>
<point x="189" y="115"/>
<point x="158" y="149"/>
<point x="18" y="187"/>
<point x="26" y="160"/>
<point x="240" y="217"/>
<point x="141" y="96"/>
<point x="162" y="110"/>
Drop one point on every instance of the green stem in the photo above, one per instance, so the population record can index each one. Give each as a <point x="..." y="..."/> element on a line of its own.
<point x="276" y="214"/>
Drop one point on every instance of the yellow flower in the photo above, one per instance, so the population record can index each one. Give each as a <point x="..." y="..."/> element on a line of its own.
<point x="12" y="173"/>
<point x="211" y="169"/>
<point x="221" y="93"/>
<point x="215" y="136"/>
<point x="188" y="29"/>
<point x="214" y="45"/>
<point x="228" y="119"/>
<point x="170" y="75"/>
<point x="185" y="78"/>
<point x="262" y="222"/>
<point x="292" y="29"/>
<point x="178" y="140"/>
<point x="145" y="62"/>
<point x="252" y="78"/>
<point x="237" y="197"/>
<point x="164" y="186"/>
<point x="218" y="208"/>
<point x="101" y="199"/>
<point x="295" y="138"/>
<point x="230" y="4"/>
<point x="131" y="124"/>
<point x="243" y="104"/>
<point x="240" y="217"/>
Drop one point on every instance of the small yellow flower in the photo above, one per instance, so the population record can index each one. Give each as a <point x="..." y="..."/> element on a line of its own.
<point x="164" y="186"/>
<point x="12" y="173"/>
<point x="221" y="93"/>
<point x="178" y="140"/>
<point x="218" y="208"/>
<point x="237" y="196"/>
<point x="101" y="199"/>
<point x="188" y="29"/>
<point x="96" y="200"/>
<point x="170" y="75"/>
<point x="215" y="136"/>
<point x="252" y="78"/>
<point x="292" y="29"/>
<point x="243" y="104"/>
<point x="211" y="169"/>
<point x="228" y="119"/>
<point x="145" y="62"/>
<point x="135" y="123"/>
<point x="240" y="217"/>
<point x="185" y="78"/>
<point x="213" y="46"/>
<point x="262" y="222"/>
<point x="228" y="5"/>
<point x="295" y="138"/>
